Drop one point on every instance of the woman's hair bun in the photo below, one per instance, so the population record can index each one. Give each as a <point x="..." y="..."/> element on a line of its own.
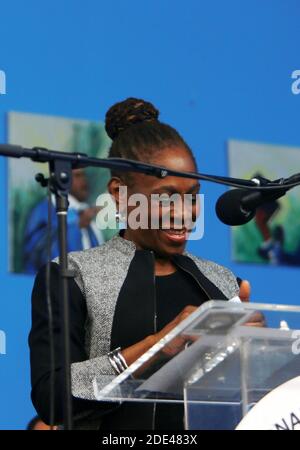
<point x="126" y="113"/>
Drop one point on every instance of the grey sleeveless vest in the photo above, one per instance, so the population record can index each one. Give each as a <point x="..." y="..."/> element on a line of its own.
<point x="100" y="273"/>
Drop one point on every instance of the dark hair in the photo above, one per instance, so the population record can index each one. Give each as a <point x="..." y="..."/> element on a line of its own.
<point x="137" y="133"/>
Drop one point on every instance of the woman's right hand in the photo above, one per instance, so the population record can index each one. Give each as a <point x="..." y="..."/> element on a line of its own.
<point x="178" y="343"/>
<point x="187" y="310"/>
<point x="132" y="353"/>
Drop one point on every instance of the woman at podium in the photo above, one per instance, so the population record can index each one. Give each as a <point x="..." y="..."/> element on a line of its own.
<point x="132" y="290"/>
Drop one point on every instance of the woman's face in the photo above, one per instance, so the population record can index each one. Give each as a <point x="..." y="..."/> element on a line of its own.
<point x="167" y="223"/>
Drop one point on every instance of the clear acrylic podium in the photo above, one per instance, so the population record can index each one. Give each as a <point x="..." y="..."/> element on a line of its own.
<point x="214" y="363"/>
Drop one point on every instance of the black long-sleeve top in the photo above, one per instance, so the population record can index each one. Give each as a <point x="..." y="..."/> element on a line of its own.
<point x="173" y="293"/>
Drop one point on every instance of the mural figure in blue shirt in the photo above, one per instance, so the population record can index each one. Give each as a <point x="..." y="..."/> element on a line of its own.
<point x="272" y="249"/>
<point x="82" y="230"/>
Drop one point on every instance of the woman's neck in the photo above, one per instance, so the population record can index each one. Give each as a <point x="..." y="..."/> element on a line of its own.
<point x="163" y="266"/>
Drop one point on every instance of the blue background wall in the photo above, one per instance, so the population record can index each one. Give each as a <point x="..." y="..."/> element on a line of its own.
<point x="216" y="70"/>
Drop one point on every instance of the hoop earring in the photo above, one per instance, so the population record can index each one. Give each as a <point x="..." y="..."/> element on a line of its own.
<point x="119" y="217"/>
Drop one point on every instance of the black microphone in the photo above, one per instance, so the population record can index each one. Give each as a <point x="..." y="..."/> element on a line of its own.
<point x="15" y="151"/>
<point x="238" y="206"/>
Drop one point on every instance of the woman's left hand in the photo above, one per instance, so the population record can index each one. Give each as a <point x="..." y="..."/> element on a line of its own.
<point x="245" y="290"/>
<point x="257" y="319"/>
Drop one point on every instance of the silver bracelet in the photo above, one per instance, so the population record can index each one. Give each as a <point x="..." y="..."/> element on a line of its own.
<point x="117" y="360"/>
<point x="122" y="359"/>
<point x="114" y="365"/>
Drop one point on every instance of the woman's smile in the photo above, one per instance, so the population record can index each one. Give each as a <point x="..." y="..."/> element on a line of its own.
<point x="175" y="235"/>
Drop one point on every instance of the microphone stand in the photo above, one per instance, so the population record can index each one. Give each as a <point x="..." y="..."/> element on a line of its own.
<point x="60" y="180"/>
<point x="60" y="184"/>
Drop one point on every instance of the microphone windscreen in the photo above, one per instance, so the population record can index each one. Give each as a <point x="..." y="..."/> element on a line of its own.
<point x="11" y="150"/>
<point x="229" y="208"/>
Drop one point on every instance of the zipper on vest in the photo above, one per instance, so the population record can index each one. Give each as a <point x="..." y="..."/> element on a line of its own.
<point x="154" y="297"/>
<point x="154" y="327"/>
